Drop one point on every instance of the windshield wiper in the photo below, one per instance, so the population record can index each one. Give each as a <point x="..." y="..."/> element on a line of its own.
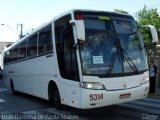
<point x="120" y="56"/>
<point x="123" y="55"/>
<point x="129" y="61"/>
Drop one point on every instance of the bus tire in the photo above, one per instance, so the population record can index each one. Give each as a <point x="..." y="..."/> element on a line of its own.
<point x="12" y="88"/>
<point x="57" y="100"/>
<point x="54" y="96"/>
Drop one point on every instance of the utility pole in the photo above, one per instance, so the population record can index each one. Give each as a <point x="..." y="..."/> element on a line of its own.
<point x="21" y="30"/>
<point x="19" y="33"/>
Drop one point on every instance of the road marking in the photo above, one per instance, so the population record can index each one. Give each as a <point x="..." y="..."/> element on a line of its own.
<point x="33" y="115"/>
<point x="154" y="100"/>
<point x="3" y="89"/>
<point x="31" y="112"/>
<point x="146" y="105"/>
<point x="55" y="111"/>
<point x="1" y="100"/>
<point x="62" y="114"/>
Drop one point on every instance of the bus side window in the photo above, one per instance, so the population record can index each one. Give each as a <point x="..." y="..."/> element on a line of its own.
<point x="7" y="58"/>
<point x="15" y="53"/>
<point x="22" y="49"/>
<point x="10" y="56"/>
<point x="32" y="46"/>
<point x="45" y="45"/>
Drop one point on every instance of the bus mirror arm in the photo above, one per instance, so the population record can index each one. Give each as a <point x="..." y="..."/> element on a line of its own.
<point x="75" y="45"/>
<point x="78" y="43"/>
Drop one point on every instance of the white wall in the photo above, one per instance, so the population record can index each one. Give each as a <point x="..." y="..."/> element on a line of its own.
<point x="7" y="35"/>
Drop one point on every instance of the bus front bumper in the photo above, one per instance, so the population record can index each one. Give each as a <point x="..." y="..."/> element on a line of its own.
<point x="100" y="98"/>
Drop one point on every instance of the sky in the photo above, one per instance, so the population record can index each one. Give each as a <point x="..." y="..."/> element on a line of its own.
<point x="33" y="13"/>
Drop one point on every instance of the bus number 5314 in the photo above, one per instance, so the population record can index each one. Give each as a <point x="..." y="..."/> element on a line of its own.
<point x="96" y="97"/>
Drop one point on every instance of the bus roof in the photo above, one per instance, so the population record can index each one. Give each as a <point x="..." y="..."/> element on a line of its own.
<point x="63" y="14"/>
<point x="90" y="11"/>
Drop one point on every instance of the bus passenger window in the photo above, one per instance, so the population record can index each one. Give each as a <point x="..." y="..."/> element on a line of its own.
<point x="7" y="57"/>
<point x="45" y="41"/>
<point x="10" y="56"/>
<point x="15" y="54"/>
<point x="22" y="49"/>
<point x="32" y="46"/>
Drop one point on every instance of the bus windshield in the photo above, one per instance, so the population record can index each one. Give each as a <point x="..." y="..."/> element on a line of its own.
<point x="113" y="46"/>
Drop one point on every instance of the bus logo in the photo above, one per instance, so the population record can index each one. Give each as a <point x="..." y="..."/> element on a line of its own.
<point x="124" y="85"/>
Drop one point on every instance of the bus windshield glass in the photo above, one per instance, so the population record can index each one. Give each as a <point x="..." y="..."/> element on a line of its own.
<point x="113" y="46"/>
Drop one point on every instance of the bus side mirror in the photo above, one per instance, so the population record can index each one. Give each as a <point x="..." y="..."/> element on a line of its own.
<point x="153" y="33"/>
<point x="80" y="29"/>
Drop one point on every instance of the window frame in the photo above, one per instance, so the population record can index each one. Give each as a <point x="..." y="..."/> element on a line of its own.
<point x="8" y="60"/>
<point x="62" y="25"/>
<point x="30" y="48"/>
<point x="51" y="41"/>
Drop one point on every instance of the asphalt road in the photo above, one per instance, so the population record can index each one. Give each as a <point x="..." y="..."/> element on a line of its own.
<point x="26" y="107"/>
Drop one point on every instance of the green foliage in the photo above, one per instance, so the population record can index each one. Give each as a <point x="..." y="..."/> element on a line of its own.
<point x="146" y="17"/>
<point x="146" y="34"/>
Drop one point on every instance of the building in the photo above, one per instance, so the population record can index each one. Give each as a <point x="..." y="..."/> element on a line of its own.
<point x="7" y="37"/>
<point x="3" y="45"/>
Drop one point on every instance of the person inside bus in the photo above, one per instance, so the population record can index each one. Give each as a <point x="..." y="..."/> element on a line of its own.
<point x="152" y="75"/>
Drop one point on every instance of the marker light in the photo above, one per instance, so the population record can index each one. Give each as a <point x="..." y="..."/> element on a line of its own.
<point x="103" y="17"/>
<point x="81" y="41"/>
<point x="79" y="17"/>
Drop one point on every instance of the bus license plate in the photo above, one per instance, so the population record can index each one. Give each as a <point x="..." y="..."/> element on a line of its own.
<point x="122" y="96"/>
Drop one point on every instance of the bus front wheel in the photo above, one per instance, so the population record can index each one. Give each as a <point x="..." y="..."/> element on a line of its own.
<point x="54" y="96"/>
<point x="57" y="99"/>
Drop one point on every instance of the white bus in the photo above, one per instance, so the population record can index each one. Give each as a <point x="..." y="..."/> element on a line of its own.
<point x="82" y="58"/>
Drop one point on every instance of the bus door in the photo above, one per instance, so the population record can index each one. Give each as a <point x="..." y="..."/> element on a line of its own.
<point x="67" y="59"/>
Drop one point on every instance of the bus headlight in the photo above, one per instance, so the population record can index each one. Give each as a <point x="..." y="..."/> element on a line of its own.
<point x="92" y="85"/>
<point x="145" y="80"/>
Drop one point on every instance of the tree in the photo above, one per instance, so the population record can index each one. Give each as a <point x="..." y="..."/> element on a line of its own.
<point x="151" y="17"/>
